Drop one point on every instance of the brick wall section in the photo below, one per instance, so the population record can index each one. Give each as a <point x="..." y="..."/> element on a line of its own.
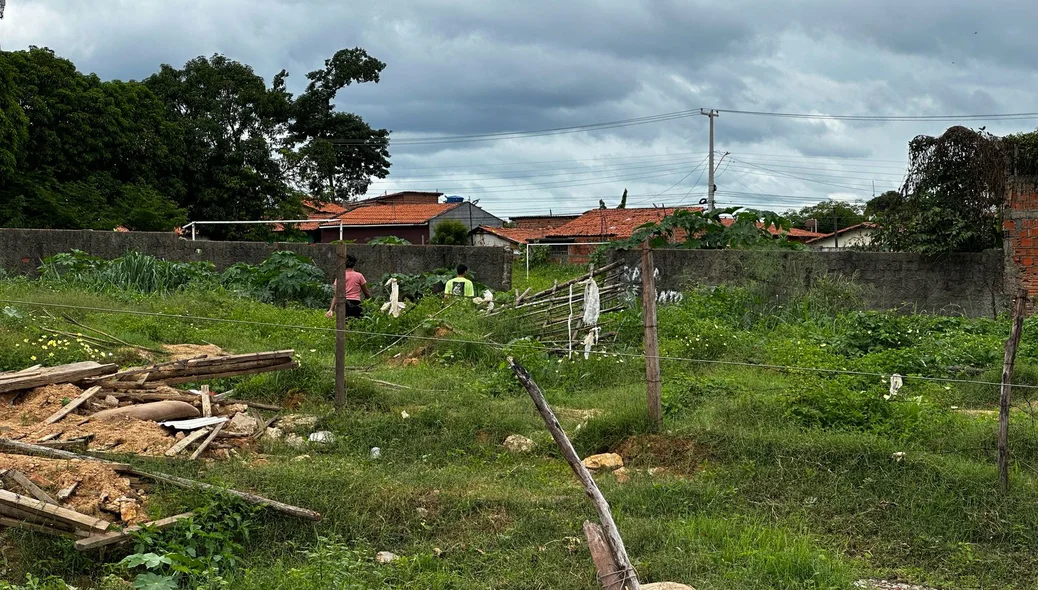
<point x="1020" y="231"/>
<point x="969" y="283"/>
<point x="22" y="250"/>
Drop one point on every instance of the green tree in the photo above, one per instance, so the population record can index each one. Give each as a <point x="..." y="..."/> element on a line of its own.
<point x="830" y="215"/>
<point x="85" y="139"/>
<point x="952" y="196"/>
<point x="14" y="125"/>
<point x="338" y="152"/>
<point x="450" y="233"/>
<point x="230" y="124"/>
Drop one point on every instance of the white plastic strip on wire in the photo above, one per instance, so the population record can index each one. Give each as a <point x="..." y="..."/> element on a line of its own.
<point x="394" y="306"/>
<point x="592" y="305"/>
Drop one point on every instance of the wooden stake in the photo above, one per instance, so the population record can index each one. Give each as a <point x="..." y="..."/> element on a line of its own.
<point x="72" y="405"/>
<point x="609" y="575"/>
<point x="340" y="327"/>
<point x="36" y="450"/>
<point x="616" y="544"/>
<point x="207" y="403"/>
<point x="1019" y="310"/>
<point x="652" y="343"/>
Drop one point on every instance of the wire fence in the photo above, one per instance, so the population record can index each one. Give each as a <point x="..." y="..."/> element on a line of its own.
<point x="1024" y="446"/>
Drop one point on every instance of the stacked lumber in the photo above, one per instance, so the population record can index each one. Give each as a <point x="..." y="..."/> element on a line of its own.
<point x="197" y="369"/>
<point x="98" y="407"/>
<point x="39" y="376"/>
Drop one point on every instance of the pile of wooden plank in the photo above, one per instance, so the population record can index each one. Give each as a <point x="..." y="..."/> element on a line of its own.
<point x="38" y="375"/>
<point x="196" y="369"/>
<point x="24" y="505"/>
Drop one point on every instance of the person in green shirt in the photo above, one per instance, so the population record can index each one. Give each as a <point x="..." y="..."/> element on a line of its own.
<point x="460" y="286"/>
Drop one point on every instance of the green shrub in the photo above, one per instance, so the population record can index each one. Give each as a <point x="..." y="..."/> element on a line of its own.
<point x="450" y="233"/>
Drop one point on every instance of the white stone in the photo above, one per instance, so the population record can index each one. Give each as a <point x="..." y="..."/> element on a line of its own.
<point x="301" y="458"/>
<point x="322" y="437"/>
<point x="519" y="444"/>
<point x="274" y="433"/>
<point x="386" y="557"/>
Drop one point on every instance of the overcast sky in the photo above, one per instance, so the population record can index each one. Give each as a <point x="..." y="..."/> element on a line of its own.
<point x="459" y="67"/>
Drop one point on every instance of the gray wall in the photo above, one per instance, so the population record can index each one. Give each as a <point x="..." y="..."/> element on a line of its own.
<point x="21" y="251"/>
<point x="478" y="217"/>
<point x="960" y="283"/>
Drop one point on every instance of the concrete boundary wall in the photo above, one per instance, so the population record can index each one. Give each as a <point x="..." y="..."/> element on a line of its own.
<point x="959" y="283"/>
<point x="22" y="250"/>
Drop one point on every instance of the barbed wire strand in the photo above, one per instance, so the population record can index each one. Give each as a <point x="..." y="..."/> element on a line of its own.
<point x="503" y="346"/>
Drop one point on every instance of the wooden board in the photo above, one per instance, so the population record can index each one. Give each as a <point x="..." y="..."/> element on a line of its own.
<point x="207" y="402"/>
<point x="72" y="405"/>
<point x="36" y="528"/>
<point x="53" y="511"/>
<point x="186" y="442"/>
<point x="70" y="373"/>
<point x="113" y="538"/>
<point x="34" y="490"/>
<point x="209" y="439"/>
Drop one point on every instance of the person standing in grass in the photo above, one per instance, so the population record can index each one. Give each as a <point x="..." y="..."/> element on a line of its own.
<point x="460" y="286"/>
<point x="356" y="285"/>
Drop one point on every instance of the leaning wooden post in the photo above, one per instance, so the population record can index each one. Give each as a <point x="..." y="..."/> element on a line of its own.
<point x="1019" y="309"/>
<point x="340" y="326"/>
<point x="652" y="343"/>
<point x="624" y="568"/>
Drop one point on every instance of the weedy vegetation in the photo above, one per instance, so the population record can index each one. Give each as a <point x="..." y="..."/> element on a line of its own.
<point x="774" y="477"/>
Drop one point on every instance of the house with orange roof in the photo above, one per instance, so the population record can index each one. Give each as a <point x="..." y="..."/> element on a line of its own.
<point x="504" y="237"/>
<point x="412" y="222"/>
<point x="575" y="241"/>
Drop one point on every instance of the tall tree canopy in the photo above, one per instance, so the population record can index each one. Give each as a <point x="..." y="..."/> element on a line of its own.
<point x="210" y="140"/>
<point x="951" y="198"/>
<point x="831" y="215"/>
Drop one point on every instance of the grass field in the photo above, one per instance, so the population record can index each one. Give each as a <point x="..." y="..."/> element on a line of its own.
<point x="762" y="478"/>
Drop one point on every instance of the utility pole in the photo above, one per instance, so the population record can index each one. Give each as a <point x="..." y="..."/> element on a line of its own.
<point x="712" y="114"/>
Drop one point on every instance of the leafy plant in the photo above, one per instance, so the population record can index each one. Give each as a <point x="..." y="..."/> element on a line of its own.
<point x="197" y="552"/>
<point x="388" y="241"/>
<point x="693" y="229"/>
<point x="282" y="278"/>
<point x="450" y="233"/>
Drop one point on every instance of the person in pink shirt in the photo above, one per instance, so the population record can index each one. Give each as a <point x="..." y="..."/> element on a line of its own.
<point x="356" y="285"/>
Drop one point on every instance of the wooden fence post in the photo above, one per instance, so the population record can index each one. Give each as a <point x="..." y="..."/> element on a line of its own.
<point x="1019" y="309"/>
<point x="340" y="326"/>
<point x="625" y="573"/>
<point x="652" y="343"/>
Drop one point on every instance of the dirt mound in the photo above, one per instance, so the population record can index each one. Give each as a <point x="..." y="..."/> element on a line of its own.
<point x="23" y="421"/>
<point x="179" y="352"/>
<point x="100" y="492"/>
<point x="654" y="451"/>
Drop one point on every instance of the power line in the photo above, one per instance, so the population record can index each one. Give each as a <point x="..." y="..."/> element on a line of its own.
<point x="502" y="135"/>
<point x="502" y="346"/>
<point x="889" y="118"/>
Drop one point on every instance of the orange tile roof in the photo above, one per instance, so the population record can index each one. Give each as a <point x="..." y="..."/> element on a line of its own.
<point x="392" y="214"/>
<point x="612" y="223"/>
<point x="514" y="234"/>
<point x="862" y="225"/>
<point x="794" y="233"/>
